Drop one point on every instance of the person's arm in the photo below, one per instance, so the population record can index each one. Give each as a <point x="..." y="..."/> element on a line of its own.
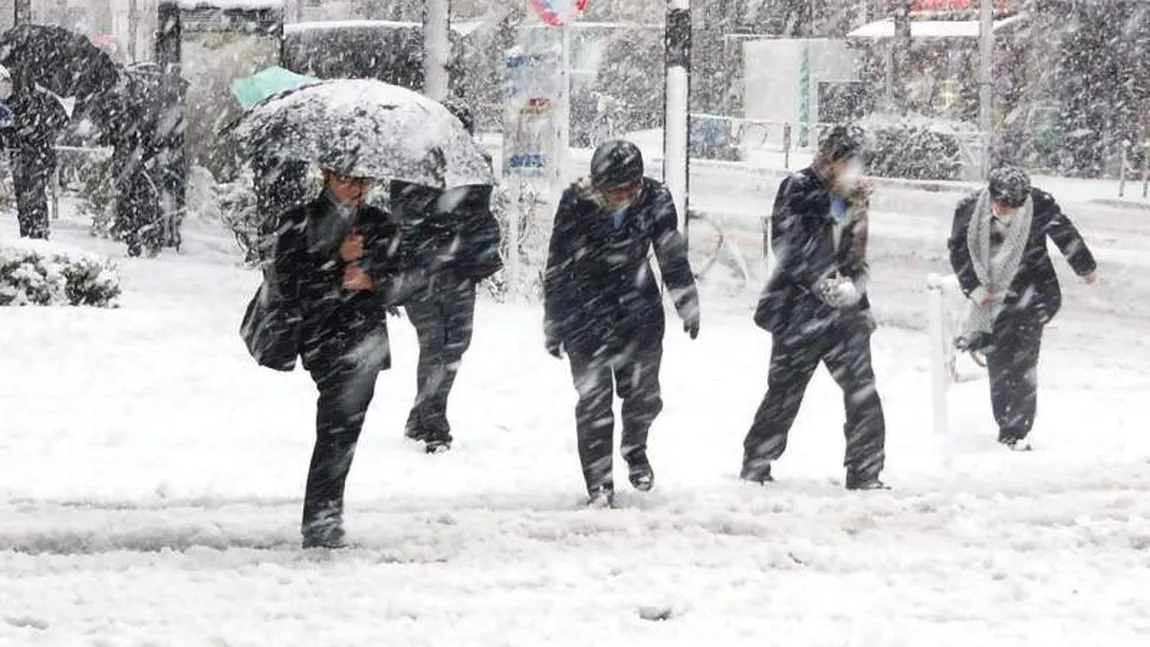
<point x="960" y="259"/>
<point x="558" y="277"/>
<point x="1068" y="239"/>
<point x="671" y="254"/>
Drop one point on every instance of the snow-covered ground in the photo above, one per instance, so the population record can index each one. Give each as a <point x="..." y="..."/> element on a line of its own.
<point x="151" y="477"/>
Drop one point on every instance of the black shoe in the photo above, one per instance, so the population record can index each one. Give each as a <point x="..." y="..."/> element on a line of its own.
<point x="438" y="442"/>
<point x="1017" y="444"/>
<point x="758" y="473"/>
<point x="640" y="473"/>
<point x="601" y="497"/>
<point x="416" y="434"/>
<point x="863" y="482"/>
<point x="330" y="536"/>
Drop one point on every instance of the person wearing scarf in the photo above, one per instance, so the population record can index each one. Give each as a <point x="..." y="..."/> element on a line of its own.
<point x="998" y="251"/>
<point x="815" y="306"/>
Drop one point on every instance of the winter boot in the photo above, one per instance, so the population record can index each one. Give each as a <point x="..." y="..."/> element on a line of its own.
<point x="864" y="482"/>
<point x="601" y="497"/>
<point x="758" y="472"/>
<point x="639" y="471"/>
<point x="324" y="534"/>
<point x="438" y="442"/>
<point x="1017" y="444"/>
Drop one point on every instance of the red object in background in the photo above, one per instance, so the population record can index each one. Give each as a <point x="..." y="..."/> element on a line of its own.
<point x="955" y="5"/>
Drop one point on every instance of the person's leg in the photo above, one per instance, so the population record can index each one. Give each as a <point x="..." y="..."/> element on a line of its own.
<point x="594" y="421"/>
<point x="345" y="393"/>
<point x="849" y="362"/>
<point x="637" y="383"/>
<point x="793" y="363"/>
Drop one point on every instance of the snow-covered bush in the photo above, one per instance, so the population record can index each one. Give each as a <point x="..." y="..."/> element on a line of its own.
<point x="48" y="274"/>
<point x="917" y="149"/>
<point x="236" y="202"/>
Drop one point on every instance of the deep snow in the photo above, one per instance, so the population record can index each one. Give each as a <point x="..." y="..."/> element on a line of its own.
<point x="152" y="474"/>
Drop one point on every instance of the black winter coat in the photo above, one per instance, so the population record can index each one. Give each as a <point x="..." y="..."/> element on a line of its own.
<point x="802" y="239"/>
<point x="453" y="230"/>
<point x="307" y="273"/>
<point x="600" y="291"/>
<point x="1035" y="287"/>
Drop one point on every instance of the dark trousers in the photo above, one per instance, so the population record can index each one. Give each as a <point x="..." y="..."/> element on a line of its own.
<point x="632" y="374"/>
<point x="32" y="168"/>
<point x="1012" y="361"/>
<point x="443" y="322"/>
<point x="844" y="346"/>
<point x="346" y="388"/>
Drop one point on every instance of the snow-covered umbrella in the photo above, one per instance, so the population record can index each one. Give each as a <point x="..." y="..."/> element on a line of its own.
<point x="252" y="89"/>
<point x="366" y="128"/>
<point x="60" y="61"/>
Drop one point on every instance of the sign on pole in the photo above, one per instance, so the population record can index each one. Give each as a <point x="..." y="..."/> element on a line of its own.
<point x="558" y="13"/>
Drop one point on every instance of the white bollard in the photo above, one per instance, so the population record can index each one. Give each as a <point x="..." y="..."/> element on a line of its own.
<point x="940" y="377"/>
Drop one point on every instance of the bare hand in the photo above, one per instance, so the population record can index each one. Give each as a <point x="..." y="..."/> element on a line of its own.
<point x="352" y="248"/>
<point x="356" y="280"/>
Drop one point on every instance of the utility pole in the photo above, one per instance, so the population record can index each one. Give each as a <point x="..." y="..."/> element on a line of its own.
<point x="986" y="83"/>
<point x="22" y="12"/>
<point x="436" y="48"/>
<point x="899" y="63"/>
<point x="676" y="114"/>
<point x="133" y="30"/>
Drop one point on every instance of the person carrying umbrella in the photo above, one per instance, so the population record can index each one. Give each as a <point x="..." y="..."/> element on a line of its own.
<point x="334" y="265"/>
<point x="603" y="307"/>
<point x="339" y="264"/>
<point x="55" y="74"/>
<point x="455" y="229"/>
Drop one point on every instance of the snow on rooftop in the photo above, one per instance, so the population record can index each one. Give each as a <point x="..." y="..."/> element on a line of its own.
<point x="928" y="29"/>
<point x="231" y="4"/>
<point x="462" y="28"/>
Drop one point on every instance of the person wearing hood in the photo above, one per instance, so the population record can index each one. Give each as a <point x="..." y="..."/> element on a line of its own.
<point x="998" y="252"/>
<point x="38" y="118"/>
<point x="604" y="308"/>
<point x="456" y="231"/>
<point x="337" y="267"/>
<point x="816" y="308"/>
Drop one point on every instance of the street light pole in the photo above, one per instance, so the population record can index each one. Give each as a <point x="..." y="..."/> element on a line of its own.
<point x="436" y="48"/>
<point x="676" y="114"/>
<point x="986" y="82"/>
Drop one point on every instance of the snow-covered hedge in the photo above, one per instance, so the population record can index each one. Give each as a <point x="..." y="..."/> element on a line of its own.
<point x="914" y="148"/>
<point x="48" y="274"/>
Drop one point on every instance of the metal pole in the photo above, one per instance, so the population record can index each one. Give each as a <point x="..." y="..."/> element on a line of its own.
<point x="436" y="48"/>
<point x="563" y="113"/>
<point x="676" y="113"/>
<point x="133" y="30"/>
<point x="986" y="82"/>
<point x="21" y="12"/>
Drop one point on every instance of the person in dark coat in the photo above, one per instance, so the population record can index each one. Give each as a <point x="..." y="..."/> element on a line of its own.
<point x="135" y="146"/>
<point x="337" y="266"/>
<point x="816" y="308"/>
<point x="603" y="307"/>
<point x="998" y="251"/>
<point x="38" y="119"/>
<point x="456" y="231"/>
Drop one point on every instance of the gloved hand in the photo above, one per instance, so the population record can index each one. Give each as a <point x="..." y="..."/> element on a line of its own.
<point x="691" y="325"/>
<point x="838" y="292"/>
<point x="554" y="347"/>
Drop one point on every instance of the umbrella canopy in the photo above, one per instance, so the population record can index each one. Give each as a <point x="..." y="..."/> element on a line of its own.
<point x="255" y="88"/>
<point x="63" y="62"/>
<point x="366" y="128"/>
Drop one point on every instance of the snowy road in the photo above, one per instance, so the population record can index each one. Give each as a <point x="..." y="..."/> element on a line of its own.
<point x="151" y="477"/>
